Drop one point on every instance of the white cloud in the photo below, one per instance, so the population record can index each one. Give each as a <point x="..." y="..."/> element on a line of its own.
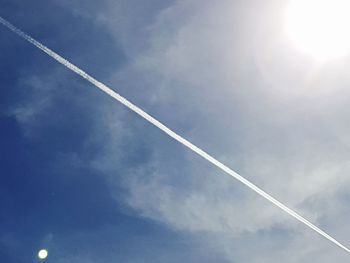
<point x="225" y="74"/>
<point x="222" y="73"/>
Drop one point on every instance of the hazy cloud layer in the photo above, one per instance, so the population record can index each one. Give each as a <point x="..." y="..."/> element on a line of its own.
<point x="257" y="104"/>
<point x="223" y="74"/>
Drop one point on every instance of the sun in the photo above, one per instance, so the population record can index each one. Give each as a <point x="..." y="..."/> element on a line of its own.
<point x="319" y="28"/>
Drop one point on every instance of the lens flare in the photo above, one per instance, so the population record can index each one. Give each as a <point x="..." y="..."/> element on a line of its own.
<point x="42" y="254"/>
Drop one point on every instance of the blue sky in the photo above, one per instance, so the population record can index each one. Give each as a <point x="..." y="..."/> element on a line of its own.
<point x="92" y="182"/>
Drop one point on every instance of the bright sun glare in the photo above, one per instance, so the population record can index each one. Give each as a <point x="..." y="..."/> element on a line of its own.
<point x="320" y="28"/>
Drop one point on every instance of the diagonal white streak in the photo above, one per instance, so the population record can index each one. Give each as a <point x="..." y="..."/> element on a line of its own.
<point x="168" y="131"/>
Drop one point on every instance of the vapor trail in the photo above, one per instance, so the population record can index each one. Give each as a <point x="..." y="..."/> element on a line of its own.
<point x="171" y="133"/>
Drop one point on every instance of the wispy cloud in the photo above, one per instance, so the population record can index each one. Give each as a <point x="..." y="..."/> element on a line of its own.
<point x="171" y="133"/>
<point x="267" y="112"/>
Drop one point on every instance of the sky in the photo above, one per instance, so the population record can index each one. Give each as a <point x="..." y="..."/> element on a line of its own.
<point x="89" y="180"/>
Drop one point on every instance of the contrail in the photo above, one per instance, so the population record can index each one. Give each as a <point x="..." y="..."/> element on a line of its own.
<point x="168" y="131"/>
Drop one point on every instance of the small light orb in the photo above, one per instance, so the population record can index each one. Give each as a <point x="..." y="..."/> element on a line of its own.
<point x="319" y="28"/>
<point x="42" y="254"/>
